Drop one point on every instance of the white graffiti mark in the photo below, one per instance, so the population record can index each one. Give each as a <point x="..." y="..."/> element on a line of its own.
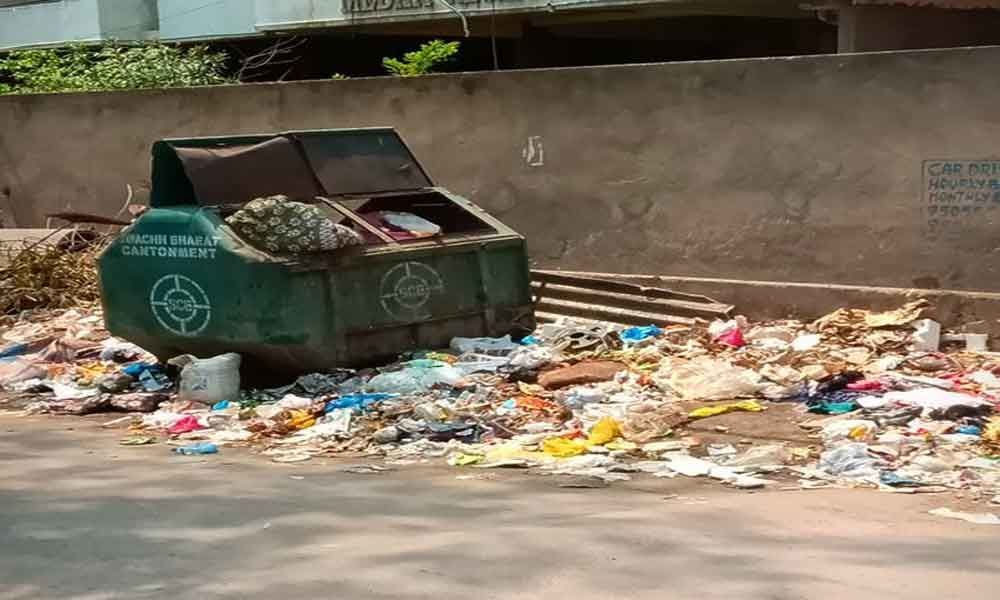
<point x="534" y="153"/>
<point x="406" y="288"/>
<point x="180" y="305"/>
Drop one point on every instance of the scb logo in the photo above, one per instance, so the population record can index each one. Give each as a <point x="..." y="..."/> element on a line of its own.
<point x="406" y="289"/>
<point x="180" y="305"/>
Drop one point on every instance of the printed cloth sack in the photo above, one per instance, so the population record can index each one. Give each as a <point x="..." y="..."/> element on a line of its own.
<point x="281" y="226"/>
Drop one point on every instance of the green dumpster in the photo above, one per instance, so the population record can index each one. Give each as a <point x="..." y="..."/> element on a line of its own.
<point x="179" y="280"/>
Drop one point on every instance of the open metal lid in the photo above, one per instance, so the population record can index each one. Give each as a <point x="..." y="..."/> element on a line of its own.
<point x="298" y="164"/>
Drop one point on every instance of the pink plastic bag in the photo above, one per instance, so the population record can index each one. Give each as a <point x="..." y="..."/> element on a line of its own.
<point x="185" y="424"/>
<point x="733" y="337"/>
<point x="866" y="385"/>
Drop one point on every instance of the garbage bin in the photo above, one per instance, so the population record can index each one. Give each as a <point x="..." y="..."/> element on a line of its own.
<point x="179" y="280"/>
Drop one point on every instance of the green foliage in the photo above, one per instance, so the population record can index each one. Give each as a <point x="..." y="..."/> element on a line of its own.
<point x="110" y="67"/>
<point x="423" y="60"/>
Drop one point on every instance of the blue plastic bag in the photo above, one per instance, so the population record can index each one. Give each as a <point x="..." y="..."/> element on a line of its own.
<point x="154" y="380"/>
<point x="13" y="350"/>
<point x="634" y="335"/>
<point x="136" y="369"/>
<point x="221" y="405"/>
<point x="195" y="449"/>
<point x="834" y="408"/>
<point x="358" y="401"/>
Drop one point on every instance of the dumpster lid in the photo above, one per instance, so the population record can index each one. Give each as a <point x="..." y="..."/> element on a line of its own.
<point x="299" y="164"/>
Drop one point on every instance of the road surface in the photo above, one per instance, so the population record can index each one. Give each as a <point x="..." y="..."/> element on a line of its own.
<point x="84" y="518"/>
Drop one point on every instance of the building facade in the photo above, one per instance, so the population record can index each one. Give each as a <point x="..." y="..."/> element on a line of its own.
<point x="533" y="32"/>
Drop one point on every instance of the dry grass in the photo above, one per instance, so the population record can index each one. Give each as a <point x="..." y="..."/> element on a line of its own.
<point x="63" y="275"/>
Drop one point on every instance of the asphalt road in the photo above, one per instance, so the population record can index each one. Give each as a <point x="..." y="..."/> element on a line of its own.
<point x="84" y="518"/>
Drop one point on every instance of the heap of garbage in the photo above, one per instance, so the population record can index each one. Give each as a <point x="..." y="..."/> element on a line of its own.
<point x="878" y="401"/>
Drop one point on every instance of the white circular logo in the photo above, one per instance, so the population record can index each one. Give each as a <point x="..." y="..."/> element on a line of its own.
<point x="406" y="288"/>
<point x="180" y="305"/>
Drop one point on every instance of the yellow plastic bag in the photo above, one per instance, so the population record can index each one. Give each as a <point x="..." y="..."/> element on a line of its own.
<point x="515" y="451"/>
<point x="621" y="444"/>
<point x="991" y="434"/>
<point x="300" y="419"/>
<point x="564" y="448"/>
<point x="604" y="431"/>
<point x="441" y="356"/>
<point x="462" y="459"/>
<point x="711" y="411"/>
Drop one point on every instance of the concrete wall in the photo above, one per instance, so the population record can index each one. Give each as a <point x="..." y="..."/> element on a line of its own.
<point x="874" y="28"/>
<point x="805" y="169"/>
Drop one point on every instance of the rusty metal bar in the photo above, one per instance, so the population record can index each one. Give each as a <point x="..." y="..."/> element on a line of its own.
<point x="604" y="299"/>
<point x="349" y="215"/>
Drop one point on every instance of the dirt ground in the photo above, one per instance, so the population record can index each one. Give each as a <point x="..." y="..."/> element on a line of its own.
<point x="88" y="519"/>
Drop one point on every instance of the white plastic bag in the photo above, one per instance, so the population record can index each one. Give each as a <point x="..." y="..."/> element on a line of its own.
<point x="933" y="398"/>
<point x="416" y="376"/>
<point x="209" y="380"/>
<point x="418" y="226"/>
<point x="501" y="346"/>
<point x="927" y="336"/>
<point x="293" y="401"/>
<point x="806" y="341"/>
<point x="849" y="429"/>
<point x="579" y="396"/>
<point x="761" y="456"/>
<point x="479" y="363"/>
<point x="708" y="379"/>
<point x="850" y="460"/>
<point x="530" y="357"/>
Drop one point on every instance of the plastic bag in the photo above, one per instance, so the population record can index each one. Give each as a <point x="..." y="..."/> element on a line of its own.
<point x="761" y="456"/>
<point x="300" y="419"/>
<point x="711" y="411"/>
<point x="634" y="335"/>
<point x="112" y="350"/>
<point x="605" y="430"/>
<point x="530" y="357"/>
<point x="185" y="424"/>
<point x="209" y="380"/>
<point x="563" y="448"/>
<point x="357" y="401"/>
<point x="806" y="341"/>
<point x="927" y="337"/>
<point x="991" y="434"/>
<point x="853" y="429"/>
<point x="688" y="465"/>
<point x="931" y="399"/>
<point x="195" y="449"/>
<point x="709" y="379"/>
<point x="293" y="401"/>
<point x="580" y="396"/>
<point x="733" y="337"/>
<point x="418" y="226"/>
<point x="643" y="426"/>
<point x="500" y="346"/>
<point x="850" y="460"/>
<point x="479" y="363"/>
<point x="416" y="376"/>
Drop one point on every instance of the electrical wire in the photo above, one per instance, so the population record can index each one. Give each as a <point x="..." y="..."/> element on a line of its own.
<point x="461" y="15"/>
<point x="493" y="35"/>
